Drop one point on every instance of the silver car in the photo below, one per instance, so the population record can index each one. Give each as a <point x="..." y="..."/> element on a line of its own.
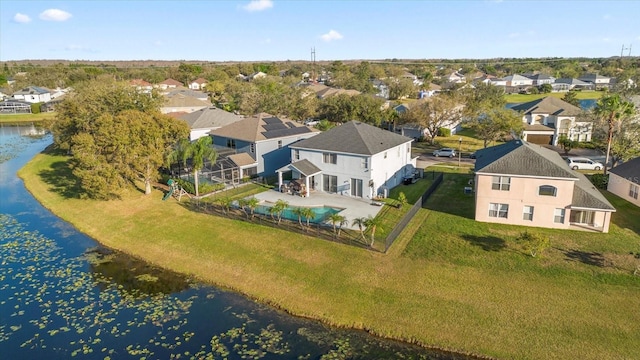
<point x="445" y="152"/>
<point x="580" y="163"/>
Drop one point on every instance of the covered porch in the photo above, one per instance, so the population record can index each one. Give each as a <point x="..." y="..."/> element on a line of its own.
<point x="303" y="181"/>
<point x="589" y="219"/>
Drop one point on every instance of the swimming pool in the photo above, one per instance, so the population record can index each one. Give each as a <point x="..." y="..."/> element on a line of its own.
<point x="321" y="213"/>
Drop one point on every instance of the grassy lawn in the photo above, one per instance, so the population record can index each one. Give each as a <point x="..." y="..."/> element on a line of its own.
<point x="580" y="95"/>
<point x="19" y="118"/>
<point x="468" y="145"/>
<point x="448" y="281"/>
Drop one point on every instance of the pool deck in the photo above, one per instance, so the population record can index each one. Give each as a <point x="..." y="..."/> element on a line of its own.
<point x="353" y="207"/>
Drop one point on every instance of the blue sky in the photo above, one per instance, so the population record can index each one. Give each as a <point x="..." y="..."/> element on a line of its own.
<point x="339" y="30"/>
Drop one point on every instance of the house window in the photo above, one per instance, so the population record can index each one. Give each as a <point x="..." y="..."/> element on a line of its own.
<point x="365" y="163"/>
<point x="231" y="143"/>
<point x="558" y="216"/>
<point x="252" y="148"/>
<point x="408" y="149"/>
<point x="498" y="210"/>
<point x="547" y="190"/>
<point x="279" y="144"/>
<point x="527" y="213"/>
<point x="501" y="183"/>
<point x="633" y="191"/>
<point x="296" y="154"/>
<point x="330" y="158"/>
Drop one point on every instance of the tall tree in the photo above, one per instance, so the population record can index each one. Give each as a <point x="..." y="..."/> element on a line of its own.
<point x="115" y="136"/>
<point x="613" y="110"/>
<point x="372" y="224"/>
<point x="481" y="99"/>
<point x="433" y="113"/>
<point x="201" y="151"/>
<point x="571" y="97"/>
<point x="497" y="123"/>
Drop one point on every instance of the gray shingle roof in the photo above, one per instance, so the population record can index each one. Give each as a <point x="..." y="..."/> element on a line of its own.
<point x="306" y="167"/>
<point x="548" y="105"/>
<point x="262" y="127"/>
<point x="354" y="137"/>
<point x="209" y="118"/>
<point x="519" y="157"/>
<point x="585" y="195"/>
<point x="629" y="170"/>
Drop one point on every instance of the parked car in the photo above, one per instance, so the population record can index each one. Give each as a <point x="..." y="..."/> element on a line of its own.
<point x="472" y="155"/>
<point x="580" y="163"/>
<point x="445" y="152"/>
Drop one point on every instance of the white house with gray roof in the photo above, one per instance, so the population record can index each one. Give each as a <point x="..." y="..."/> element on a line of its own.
<point x="624" y="181"/>
<point x="354" y="159"/>
<point x="519" y="183"/>
<point x="33" y="94"/>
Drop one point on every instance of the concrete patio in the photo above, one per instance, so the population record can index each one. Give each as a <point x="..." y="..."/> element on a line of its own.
<point x="353" y="207"/>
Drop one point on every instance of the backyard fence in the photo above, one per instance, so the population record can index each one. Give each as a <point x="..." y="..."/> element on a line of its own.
<point x="411" y="213"/>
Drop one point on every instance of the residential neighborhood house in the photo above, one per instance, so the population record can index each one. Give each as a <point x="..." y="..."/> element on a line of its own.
<point x="519" y="183"/>
<point x="198" y="84"/>
<point x="624" y="181"/>
<point x="265" y="138"/>
<point x="549" y="118"/>
<point x="203" y="121"/>
<point x="354" y="159"/>
<point x="33" y="94"/>
<point x="183" y="102"/>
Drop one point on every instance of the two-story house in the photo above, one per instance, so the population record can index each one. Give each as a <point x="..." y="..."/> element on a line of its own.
<point x="198" y="84"/>
<point x="624" y="181"/>
<point x="520" y="183"/>
<point x="549" y="118"/>
<point x="265" y="138"/>
<point x="540" y="79"/>
<point x="354" y="159"/>
<point x="598" y="81"/>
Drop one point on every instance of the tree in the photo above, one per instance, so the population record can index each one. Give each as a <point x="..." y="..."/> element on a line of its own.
<point x="360" y="222"/>
<point x="545" y="88"/>
<point x="566" y="143"/>
<point x="200" y="151"/>
<point x="433" y="113"/>
<point x="481" y="99"/>
<point x="497" y="123"/>
<point x="115" y="136"/>
<point x="613" y="110"/>
<point x="252" y="203"/>
<point x="337" y="221"/>
<point x="402" y="198"/>
<point x="299" y="212"/>
<point x="372" y="224"/>
<point x="308" y="214"/>
<point x="280" y="206"/>
<point x="571" y="97"/>
<point x="225" y="202"/>
<point x="400" y="88"/>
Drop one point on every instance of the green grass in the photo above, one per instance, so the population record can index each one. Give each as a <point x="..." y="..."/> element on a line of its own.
<point x="449" y="282"/>
<point x="468" y="145"/>
<point x="580" y="95"/>
<point x="19" y="118"/>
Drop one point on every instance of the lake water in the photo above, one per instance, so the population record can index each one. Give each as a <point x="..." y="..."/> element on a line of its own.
<point x="63" y="296"/>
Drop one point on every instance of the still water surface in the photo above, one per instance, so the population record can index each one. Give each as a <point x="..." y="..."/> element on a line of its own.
<point x="63" y="296"/>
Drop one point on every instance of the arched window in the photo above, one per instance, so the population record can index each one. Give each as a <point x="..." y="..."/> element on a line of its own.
<point x="547" y="190"/>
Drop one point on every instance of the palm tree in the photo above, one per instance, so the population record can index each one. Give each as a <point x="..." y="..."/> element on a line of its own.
<point x="252" y="204"/>
<point x="613" y="109"/>
<point x="308" y="214"/>
<point x="337" y="220"/>
<point x="179" y="153"/>
<point x="225" y="203"/>
<point x="281" y="206"/>
<point x="273" y="210"/>
<point x="242" y="203"/>
<point x="361" y="223"/>
<point x="199" y="151"/>
<point x="299" y="212"/>
<point x="373" y="223"/>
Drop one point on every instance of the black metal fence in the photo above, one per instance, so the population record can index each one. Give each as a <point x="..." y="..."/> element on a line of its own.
<point x="411" y="213"/>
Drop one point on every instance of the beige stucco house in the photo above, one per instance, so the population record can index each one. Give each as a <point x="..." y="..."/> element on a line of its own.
<point x="519" y="183"/>
<point x="547" y="119"/>
<point x="624" y="181"/>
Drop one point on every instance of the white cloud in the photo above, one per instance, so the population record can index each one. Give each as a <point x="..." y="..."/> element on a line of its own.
<point x="55" y="15"/>
<point x="331" y="35"/>
<point x="258" y="5"/>
<point x="21" y="18"/>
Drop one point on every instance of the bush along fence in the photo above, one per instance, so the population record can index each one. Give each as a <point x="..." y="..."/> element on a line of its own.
<point x="411" y="213"/>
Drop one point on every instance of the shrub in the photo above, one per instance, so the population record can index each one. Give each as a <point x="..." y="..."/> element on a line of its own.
<point x="444" y="132"/>
<point x="36" y="108"/>
<point x="585" y="145"/>
<point x="599" y="180"/>
<point x="534" y="243"/>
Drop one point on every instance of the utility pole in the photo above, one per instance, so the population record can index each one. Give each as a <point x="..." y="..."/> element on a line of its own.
<point x="313" y="64"/>
<point x="623" y="49"/>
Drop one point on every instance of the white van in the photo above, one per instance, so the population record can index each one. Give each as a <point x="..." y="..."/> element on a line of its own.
<point x="580" y="163"/>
